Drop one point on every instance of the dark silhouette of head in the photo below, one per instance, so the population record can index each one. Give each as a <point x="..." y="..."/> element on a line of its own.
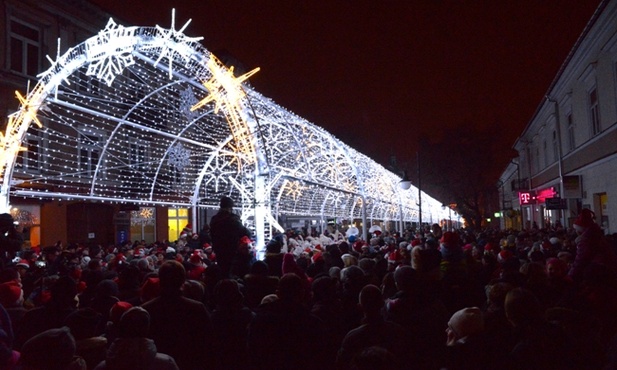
<point x="134" y="323"/>
<point x="171" y="277"/>
<point x="290" y="288"/>
<point x="226" y="203"/>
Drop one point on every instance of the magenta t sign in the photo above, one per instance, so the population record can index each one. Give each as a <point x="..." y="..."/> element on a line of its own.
<point x="527" y="197"/>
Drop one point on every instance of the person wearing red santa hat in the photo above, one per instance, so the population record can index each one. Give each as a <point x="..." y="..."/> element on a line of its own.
<point x="592" y="248"/>
<point x="209" y="253"/>
<point x="195" y="266"/>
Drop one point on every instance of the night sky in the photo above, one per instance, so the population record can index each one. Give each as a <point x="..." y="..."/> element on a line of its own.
<point x="377" y="74"/>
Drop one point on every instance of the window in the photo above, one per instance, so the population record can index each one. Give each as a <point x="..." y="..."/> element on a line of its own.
<point x="143" y="224"/>
<point x="89" y="85"/>
<point x="138" y="156"/>
<point x="545" y="150"/>
<point x="29" y="158"/>
<point x="527" y="160"/>
<point x="594" y="111"/>
<point x="177" y="219"/>
<point x="88" y="152"/>
<point x="537" y="159"/>
<point x="555" y="147"/>
<point x="25" y="48"/>
<point x="571" y="142"/>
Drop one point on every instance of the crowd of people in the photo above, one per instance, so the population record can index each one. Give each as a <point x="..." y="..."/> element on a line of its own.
<point x="418" y="299"/>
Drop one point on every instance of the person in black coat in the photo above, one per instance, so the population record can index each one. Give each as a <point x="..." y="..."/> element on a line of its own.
<point x="226" y="230"/>
<point x="284" y="335"/>
<point x="180" y="327"/>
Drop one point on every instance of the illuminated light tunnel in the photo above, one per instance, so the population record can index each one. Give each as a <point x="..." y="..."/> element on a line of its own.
<point x="148" y="116"/>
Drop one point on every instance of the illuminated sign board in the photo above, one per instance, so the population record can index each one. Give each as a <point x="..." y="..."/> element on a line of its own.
<point x="527" y="197"/>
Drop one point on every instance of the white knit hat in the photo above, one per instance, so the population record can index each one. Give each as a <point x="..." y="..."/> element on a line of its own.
<point x="466" y="322"/>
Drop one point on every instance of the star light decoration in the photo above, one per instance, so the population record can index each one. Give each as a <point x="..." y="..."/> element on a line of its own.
<point x="111" y="51"/>
<point x="10" y="140"/>
<point x="172" y="42"/>
<point x="179" y="157"/>
<point x="51" y="71"/>
<point x="226" y="91"/>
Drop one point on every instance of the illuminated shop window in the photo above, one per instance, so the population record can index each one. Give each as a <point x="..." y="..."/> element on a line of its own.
<point x="178" y="218"/>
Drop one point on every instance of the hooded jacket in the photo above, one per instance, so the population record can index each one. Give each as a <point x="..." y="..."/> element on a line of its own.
<point x="136" y="354"/>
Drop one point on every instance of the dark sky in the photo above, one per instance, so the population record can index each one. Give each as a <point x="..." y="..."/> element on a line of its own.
<point x="377" y="73"/>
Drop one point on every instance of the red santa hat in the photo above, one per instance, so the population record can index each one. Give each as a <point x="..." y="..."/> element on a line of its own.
<point x="357" y="246"/>
<point x="393" y="257"/>
<point x="245" y="240"/>
<point x="23" y="264"/>
<point x="450" y="239"/>
<point x="488" y="247"/>
<point x="206" y="246"/>
<point x="584" y="219"/>
<point x="195" y="258"/>
<point x="212" y="257"/>
<point x="117" y="310"/>
<point x="317" y="256"/>
<point x="150" y="289"/>
<point x="10" y="293"/>
<point x="504" y="255"/>
<point x="188" y="230"/>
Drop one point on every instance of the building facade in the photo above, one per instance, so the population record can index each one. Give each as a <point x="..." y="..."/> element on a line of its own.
<point x="567" y="154"/>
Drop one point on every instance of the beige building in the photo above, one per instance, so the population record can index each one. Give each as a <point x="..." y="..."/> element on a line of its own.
<point x="567" y="153"/>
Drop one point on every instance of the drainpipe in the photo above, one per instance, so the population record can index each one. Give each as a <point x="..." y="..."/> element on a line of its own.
<point x="559" y="154"/>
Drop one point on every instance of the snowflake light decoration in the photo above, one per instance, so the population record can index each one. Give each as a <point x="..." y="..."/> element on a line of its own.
<point x="293" y="189"/>
<point x="221" y="169"/>
<point x="179" y="157"/>
<point x="111" y="51"/>
<point x="187" y="100"/>
<point x="25" y="218"/>
<point x="172" y="42"/>
<point x="145" y="216"/>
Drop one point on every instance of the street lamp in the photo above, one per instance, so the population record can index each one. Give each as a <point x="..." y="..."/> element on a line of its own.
<point x="405" y="183"/>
